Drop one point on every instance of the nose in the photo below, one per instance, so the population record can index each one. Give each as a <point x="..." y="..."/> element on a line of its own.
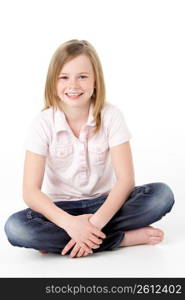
<point x="73" y="83"/>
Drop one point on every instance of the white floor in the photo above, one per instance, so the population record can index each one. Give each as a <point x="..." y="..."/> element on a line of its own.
<point x="163" y="260"/>
<point x="150" y="74"/>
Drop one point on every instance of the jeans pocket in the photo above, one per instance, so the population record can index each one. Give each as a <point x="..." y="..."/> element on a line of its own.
<point x="141" y="190"/>
<point x="138" y="190"/>
<point x="33" y="215"/>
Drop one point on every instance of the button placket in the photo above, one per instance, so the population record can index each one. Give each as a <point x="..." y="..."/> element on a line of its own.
<point x="83" y="169"/>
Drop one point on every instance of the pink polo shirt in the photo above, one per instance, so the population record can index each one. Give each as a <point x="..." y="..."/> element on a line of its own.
<point x="77" y="168"/>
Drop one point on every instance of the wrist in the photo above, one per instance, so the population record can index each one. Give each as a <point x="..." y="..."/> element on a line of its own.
<point x="96" y="222"/>
<point x="65" y="221"/>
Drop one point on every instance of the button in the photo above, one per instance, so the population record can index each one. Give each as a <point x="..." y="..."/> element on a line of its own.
<point x="84" y="167"/>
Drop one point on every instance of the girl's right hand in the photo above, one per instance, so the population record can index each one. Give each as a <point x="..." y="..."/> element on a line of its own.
<point x="82" y="231"/>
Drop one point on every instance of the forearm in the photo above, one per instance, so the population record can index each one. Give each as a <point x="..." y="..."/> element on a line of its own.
<point x="116" y="198"/>
<point x="41" y="203"/>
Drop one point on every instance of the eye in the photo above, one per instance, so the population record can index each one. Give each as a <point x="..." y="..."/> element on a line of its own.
<point x="63" y="77"/>
<point x="82" y="76"/>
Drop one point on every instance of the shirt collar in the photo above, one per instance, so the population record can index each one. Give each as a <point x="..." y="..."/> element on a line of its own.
<point x="61" y="123"/>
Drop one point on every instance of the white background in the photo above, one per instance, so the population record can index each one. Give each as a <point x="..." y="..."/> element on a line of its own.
<point x="141" y="45"/>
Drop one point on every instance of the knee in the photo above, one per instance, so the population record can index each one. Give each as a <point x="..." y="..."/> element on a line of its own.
<point x="162" y="197"/>
<point x="14" y="229"/>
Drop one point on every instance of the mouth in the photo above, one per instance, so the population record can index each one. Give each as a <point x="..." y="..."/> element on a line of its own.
<point x="73" y="95"/>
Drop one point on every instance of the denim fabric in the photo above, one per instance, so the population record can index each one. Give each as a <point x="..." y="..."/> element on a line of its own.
<point x="145" y="205"/>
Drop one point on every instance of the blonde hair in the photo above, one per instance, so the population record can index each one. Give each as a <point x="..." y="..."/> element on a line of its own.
<point x="64" y="53"/>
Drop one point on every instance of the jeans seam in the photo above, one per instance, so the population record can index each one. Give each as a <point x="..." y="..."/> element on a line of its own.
<point x="31" y="218"/>
<point x="43" y="222"/>
<point x="28" y="215"/>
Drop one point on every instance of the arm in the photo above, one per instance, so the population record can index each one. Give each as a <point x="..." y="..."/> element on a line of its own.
<point x="123" y="166"/>
<point x="34" y="167"/>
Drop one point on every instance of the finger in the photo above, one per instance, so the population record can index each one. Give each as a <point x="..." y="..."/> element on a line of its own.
<point x="81" y="252"/>
<point x="85" y="247"/>
<point x="75" y="250"/>
<point x="95" y="239"/>
<point x="86" y="253"/>
<point x="68" y="246"/>
<point x="99" y="233"/>
<point x="92" y="245"/>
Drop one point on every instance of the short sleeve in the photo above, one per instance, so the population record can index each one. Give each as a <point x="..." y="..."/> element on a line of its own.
<point x="118" y="130"/>
<point x="37" y="139"/>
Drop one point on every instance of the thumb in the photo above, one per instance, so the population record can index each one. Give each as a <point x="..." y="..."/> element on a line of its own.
<point x="88" y="215"/>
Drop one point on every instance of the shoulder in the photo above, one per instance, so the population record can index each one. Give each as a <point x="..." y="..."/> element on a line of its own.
<point x="42" y="122"/>
<point x="45" y="116"/>
<point x="110" y="112"/>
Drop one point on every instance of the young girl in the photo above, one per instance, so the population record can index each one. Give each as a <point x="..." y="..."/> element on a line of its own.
<point x="80" y="143"/>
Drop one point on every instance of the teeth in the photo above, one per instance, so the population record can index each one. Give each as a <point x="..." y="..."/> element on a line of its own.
<point x="73" y="94"/>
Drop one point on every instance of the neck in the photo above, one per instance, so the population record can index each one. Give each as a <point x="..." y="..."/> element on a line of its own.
<point x="76" y="115"/>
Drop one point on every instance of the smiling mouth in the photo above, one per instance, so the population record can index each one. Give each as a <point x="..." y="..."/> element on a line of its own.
<point x="73" y="95"/>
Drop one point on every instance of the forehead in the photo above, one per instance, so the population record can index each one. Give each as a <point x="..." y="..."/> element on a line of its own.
<point x="81" y="63"/>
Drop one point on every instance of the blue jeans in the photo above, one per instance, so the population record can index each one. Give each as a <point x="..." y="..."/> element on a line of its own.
<point x="145" y="205"/>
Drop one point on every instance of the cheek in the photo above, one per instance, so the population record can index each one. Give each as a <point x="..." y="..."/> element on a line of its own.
<point x="59" y="87"/>
<point x="89" y="85"/>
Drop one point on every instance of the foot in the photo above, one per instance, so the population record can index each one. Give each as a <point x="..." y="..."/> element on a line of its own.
<point x="43" y="251"/>
<point x="146" y="235"/>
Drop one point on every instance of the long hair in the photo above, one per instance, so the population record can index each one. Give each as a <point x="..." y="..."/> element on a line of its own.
<point x="64" y="53"/>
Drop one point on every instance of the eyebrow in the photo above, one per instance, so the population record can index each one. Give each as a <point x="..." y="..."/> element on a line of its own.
<point x="77" y="73"/>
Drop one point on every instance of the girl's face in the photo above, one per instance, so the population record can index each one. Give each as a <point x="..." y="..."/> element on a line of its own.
<point x="75" y="84"/>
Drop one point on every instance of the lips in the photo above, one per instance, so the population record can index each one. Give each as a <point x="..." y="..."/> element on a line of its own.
<point x="73" y="95"/>
<point x="68" y="94"/>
